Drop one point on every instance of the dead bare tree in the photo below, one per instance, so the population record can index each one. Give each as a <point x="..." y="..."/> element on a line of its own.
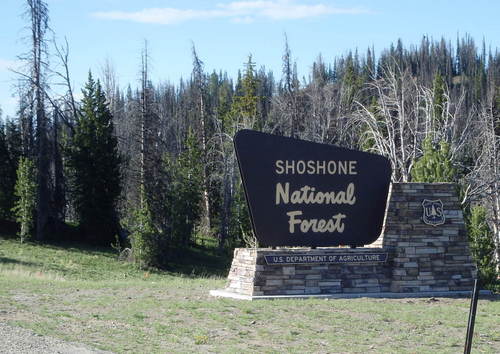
<point x="286" y="106"/>
<point x="198" y="81"/>
<point x="393" y="127"/>
<point x="36" y="59"/>
<point x="145" y="118"/>
<point x="109" y="82"/>
<point x="68" y="99"/>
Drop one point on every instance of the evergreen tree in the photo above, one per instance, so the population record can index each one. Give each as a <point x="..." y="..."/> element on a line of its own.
<point x="434" y="165"/>
<point x="25" y="191"/>
<point x="94" y="165"/>
<point x="184" y="193"/>
<point x="439" y="98"/>
<point x="243" y="114"/>
<point x="350" y="81"/>
<point x="241" y="226"/>
<point x="144" y="237"/>
<point x="10" y="152"/>
<point x="244" y="107"/>
<point x="481" y="244"/>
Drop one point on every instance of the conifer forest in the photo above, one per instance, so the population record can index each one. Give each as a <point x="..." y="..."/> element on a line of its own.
<point x="150" y="165"/>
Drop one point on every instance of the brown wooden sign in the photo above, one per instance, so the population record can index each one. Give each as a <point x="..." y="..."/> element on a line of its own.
<point x="302" y="193"/>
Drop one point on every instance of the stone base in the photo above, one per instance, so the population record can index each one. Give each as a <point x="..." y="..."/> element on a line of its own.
<point x="420" y="258"/>
<point x="251" y="275"/>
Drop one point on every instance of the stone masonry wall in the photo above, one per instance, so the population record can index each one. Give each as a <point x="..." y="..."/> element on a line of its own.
<point x="421" y="257"/>
<point x="251" y="275"/>
<point x="426" y="257"/>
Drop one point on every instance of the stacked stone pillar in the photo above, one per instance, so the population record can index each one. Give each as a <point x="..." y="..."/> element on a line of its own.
<point x="427" y="257"/>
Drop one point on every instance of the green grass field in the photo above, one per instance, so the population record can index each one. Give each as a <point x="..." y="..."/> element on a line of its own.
<point x="85" y="295"/>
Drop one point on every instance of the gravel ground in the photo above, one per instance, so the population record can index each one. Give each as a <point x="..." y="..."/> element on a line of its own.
<point x="16" y="340"/>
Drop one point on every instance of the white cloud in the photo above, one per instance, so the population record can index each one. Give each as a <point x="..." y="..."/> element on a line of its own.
<point x="236" y="11"/>
<point x="280" y="10"/>
<point x="245" y="19"/>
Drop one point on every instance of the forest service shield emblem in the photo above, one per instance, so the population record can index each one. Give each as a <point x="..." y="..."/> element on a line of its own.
<point x="433" y="212"/>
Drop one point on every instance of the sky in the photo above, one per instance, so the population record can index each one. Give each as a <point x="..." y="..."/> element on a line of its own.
<point x="225" y="32"/>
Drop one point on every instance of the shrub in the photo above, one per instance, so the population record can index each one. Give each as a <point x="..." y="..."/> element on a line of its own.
<point x="25" y="191"/>
<point x="482" y="246"/>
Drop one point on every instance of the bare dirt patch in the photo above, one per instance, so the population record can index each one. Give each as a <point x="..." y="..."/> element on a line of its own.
<point x="23" y="341"/>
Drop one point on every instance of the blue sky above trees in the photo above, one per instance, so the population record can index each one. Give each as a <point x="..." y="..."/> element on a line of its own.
<point x="225" y="32"/>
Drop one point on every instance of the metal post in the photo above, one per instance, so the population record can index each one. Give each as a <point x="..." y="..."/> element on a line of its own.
<point x="472" y="318"/>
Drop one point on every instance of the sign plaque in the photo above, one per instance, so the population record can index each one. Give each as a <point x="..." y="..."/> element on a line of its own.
<point x="302" y="193"/>
<point x="326" y="258"/>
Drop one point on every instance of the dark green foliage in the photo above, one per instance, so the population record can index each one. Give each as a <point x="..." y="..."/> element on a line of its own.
<point x="434" y="165"/>
<point x="241" y="226"/>
<point x="439" y="98"/>
<point x="481" y="244"/>
<point x="152" y="246"/>
<point x="94" y="165"/>
<point x="351" y="82"/>
<point x="184" y="194"/>
<point x="146" y="241"/>
<point x="244" y="105"/>
<point x="25" y="191"/>
<point x="10" y="145"/>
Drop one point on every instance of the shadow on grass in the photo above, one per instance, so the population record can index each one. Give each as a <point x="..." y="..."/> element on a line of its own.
<point x="78" y="247"/>
<point x="5" y="260"/>
<point x="195" y="261"/>
<point x="192" y="262"/>
<point x="198" y="262"/>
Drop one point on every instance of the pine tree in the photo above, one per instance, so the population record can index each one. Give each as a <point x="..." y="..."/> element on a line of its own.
<point x="439" y="99"/>
<point x="243" y="114"/>
<point x="10" y="152"/>
<point x="25" y="191"/>
<point x="350" y="80"/>
<point x="94" y="165"/>
<point x="244" y="107"/>
<point x="185" y="192"/>
<point x="481" y="244"/>
<point x="434" y="165"/>
<point x="144" y="236"/>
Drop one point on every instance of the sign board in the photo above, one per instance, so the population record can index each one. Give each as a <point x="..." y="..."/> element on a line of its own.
<point x="327" y="259"/>
<point x="302" y="193"/>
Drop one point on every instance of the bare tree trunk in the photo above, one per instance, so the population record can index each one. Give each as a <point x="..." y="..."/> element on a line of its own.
<point x="43" y="191"/>
<point x="494" y="144"/>
<point x="198" y="81"/>
<point x="39" y="18"/>
<point x="59" y="193"/>
<point x="205" y="198"/>
<point x="143" y="190"/>
<point x="26" y="117"/>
